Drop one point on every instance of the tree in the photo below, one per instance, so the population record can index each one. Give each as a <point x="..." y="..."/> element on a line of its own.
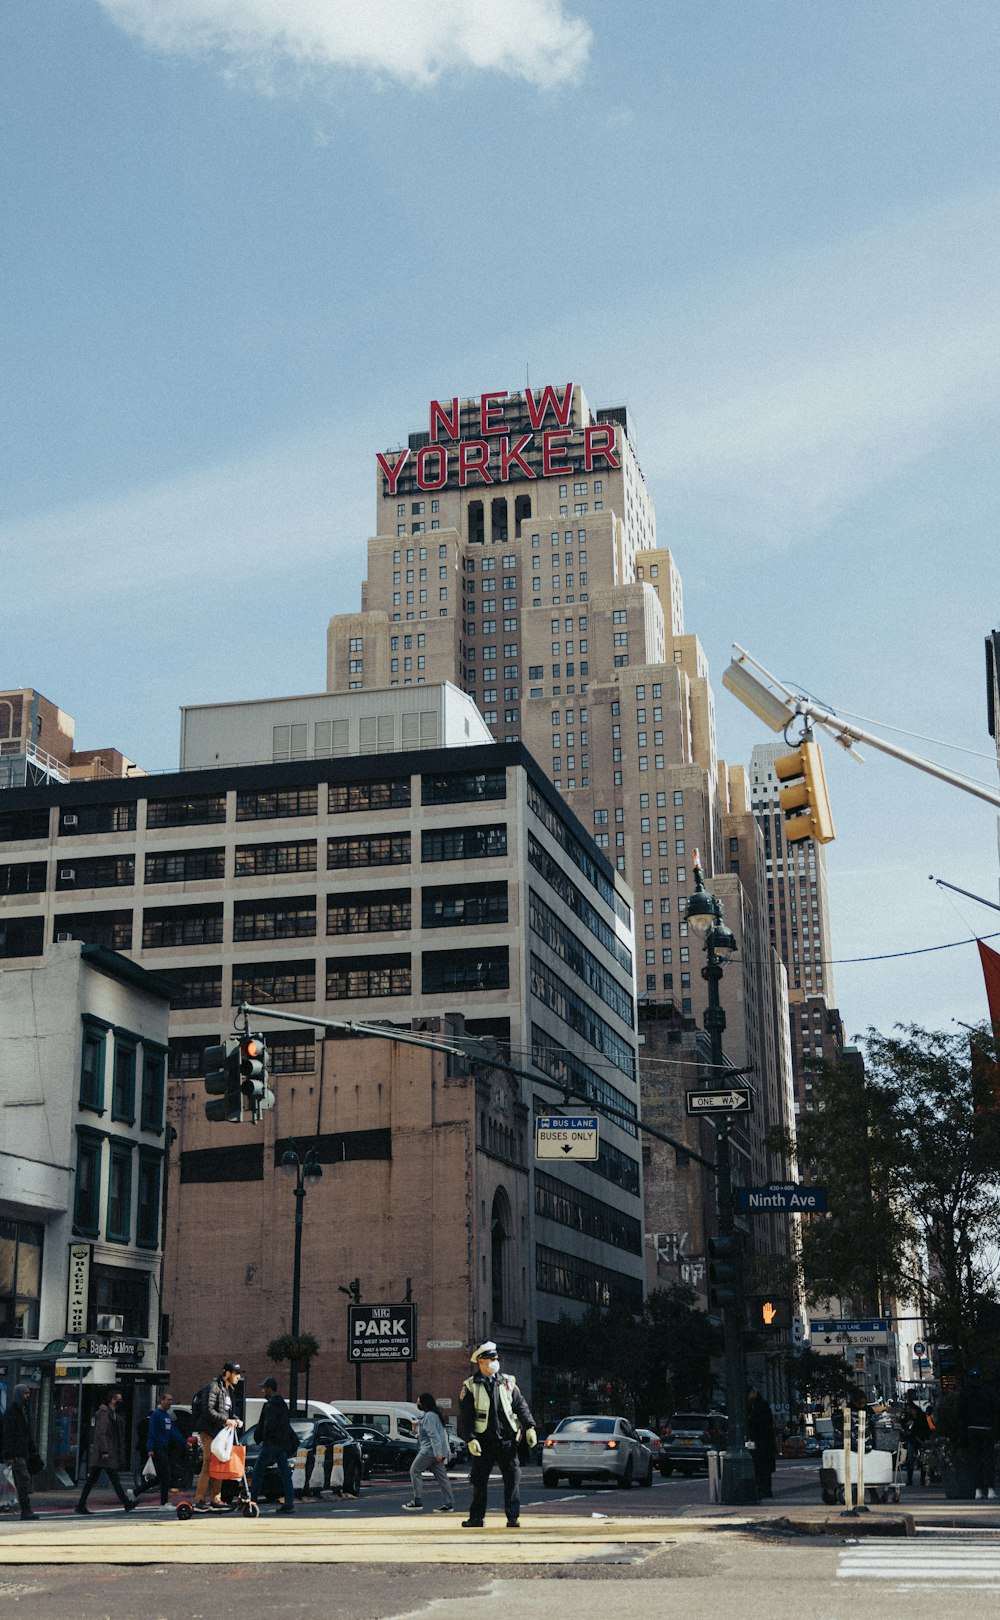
<point x="912" y="1167"/>
<point x="286" y="1347"/>
<point x="820" y="1377"/>
<point x="644" y="1364"/>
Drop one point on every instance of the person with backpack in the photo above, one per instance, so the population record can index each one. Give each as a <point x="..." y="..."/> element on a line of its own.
<point x="212" y="1410"/>
<point x="275" y="1435"/>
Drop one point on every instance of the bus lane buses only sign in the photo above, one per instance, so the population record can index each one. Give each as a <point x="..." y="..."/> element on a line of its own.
<point x="566" y="1136"/>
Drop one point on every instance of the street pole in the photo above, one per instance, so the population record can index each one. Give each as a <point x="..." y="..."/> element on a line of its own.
<point x="293" y="1379"/>
<point x="304" y="1170"/>
<point x="739" y="1480"/>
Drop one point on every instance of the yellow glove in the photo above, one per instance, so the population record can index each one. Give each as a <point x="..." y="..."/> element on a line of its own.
<point x="474" y="1448"/>
<point x="531" y="1438"/>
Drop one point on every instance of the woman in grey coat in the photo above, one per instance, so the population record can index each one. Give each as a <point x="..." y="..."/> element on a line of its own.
<point x="433" y="1453"/>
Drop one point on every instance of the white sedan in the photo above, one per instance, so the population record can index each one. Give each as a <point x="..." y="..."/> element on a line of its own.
<point x="596" y="1448"/>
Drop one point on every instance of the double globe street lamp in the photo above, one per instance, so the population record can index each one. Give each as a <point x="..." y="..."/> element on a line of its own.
<point x="704" y="919"/>
<point x="306" y="1171"/>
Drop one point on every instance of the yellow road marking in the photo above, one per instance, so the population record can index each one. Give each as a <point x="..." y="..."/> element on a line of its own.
<point x="367" y="1541"/>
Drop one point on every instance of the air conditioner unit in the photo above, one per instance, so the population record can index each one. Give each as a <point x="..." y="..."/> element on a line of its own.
<point x="110" y="1324"/>
<point x="71" y="821"/>
<point x="67" y="874"/>
<point x="61" y="939"/>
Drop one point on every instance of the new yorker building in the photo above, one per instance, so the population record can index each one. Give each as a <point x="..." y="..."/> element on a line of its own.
<point x="516" y="554"/>
<point x="369" y="856"/>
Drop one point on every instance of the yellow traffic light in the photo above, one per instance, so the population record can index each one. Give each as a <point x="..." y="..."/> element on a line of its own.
<point x="805" y="802"/>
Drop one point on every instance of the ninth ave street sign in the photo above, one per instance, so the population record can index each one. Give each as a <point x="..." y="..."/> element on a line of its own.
<point x="781" y="1195"/>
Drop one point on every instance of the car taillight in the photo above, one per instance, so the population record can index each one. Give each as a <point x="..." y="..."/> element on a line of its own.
<point x="611" y="1445"/>
<point x="548" y="1445"/>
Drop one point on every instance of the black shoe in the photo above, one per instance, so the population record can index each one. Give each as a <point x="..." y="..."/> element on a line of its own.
<point x="513" y="1524"/>
<point x="284" y="1508"/>
<point x="472" y="1524"/>
<point x="130" y="1507"/>
<point x="81" y="1510"/>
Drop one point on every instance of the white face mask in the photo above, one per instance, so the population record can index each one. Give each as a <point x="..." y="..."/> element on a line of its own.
<point x="492" y="1367"/>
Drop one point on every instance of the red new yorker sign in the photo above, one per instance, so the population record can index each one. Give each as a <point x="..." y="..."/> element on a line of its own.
<point x="494" y="455"/>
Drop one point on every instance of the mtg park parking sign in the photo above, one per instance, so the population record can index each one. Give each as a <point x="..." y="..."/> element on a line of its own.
<point x="381" y="1332"/>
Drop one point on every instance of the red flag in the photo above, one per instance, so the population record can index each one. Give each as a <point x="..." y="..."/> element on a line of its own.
<point x="991" y="973"/>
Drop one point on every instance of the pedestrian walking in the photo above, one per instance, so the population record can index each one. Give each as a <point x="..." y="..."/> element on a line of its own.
<point x="274" y="1435"/>
<point x="108" y="1452"/>
<point x="432" y="1456"/>
<point x="978" y="1421"/>
<point x="162" y="1436"/>
<point x="17" y="1446"/>
<point x="216" y="1411"/>
<point x="493" y="1417"/>
<point x="760" y="1429"/>
<point x="916" y="1432"/>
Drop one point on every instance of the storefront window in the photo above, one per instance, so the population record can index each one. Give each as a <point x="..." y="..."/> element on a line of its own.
<point x="20" y="1278"/>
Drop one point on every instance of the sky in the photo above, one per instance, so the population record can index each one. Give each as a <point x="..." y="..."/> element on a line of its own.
<point x="245" y="242"/>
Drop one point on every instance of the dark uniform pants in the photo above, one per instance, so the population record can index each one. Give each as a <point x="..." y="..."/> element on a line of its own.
<point x="505" y="1458"/>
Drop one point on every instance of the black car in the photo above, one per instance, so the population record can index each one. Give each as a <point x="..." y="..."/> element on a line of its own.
<point x="313" y="1433"/>
<point x="383" y="1454"/>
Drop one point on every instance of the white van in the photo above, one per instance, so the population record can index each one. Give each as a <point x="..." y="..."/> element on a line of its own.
<point x="400" y="1420"/>
<point x="313" y="1409"/>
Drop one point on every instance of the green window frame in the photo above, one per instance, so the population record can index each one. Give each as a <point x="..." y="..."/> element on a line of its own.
<point x="153" y="1092"/>
<point x="123" y="1077"/>
<point x="118" y="1218"/>
<point x="93" y="1064"/>
<point x="147" y="1204"/>
<point x="87" y="1183"/>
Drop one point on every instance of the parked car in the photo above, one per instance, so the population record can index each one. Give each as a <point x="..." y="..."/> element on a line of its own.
<point x="654" y="1443"/>
<point x="380" y="1452"/>
<point x="313" y="1433"/>
<point x="687" y="1439"/>
<point x="596" y="1448"/>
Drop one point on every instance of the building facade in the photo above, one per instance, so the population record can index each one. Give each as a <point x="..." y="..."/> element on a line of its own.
<point x="516" y="555"/>
<point x="368" y="880"/>
<point x="82" y="1154"/>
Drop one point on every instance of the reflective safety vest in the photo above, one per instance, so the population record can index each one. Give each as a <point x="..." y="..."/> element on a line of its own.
<point x="480" y="1393"/>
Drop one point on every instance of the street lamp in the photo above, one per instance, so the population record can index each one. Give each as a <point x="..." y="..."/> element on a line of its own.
<point x="304" y="1170"/>
<point x="704" y="919"/>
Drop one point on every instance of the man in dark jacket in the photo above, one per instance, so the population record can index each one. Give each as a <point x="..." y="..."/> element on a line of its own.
<point x="108" y="1452"/>
<point x="273" y="1432"/>
<point x="760" y="1429"/>
<point x="493" y="1417"/>
<point x="162" y="1433"/>
<point x="17" y="1446"/>
<point x="219" y="1414"/>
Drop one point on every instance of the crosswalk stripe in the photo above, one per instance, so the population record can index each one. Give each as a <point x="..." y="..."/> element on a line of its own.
<point x="960" y="1563"/>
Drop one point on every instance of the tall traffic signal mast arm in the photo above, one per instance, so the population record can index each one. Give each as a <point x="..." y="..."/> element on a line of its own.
<point x="777" y="710"/>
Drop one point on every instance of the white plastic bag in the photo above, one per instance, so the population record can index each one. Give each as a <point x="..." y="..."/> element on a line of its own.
<point x="149" y="1470"/>
<point x="222" y="1445"/>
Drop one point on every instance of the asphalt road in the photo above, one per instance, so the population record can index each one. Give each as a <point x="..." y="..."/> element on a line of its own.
<point x="429" y="1569"/>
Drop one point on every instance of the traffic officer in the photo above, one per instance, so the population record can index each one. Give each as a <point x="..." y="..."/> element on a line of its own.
<point x="493" y="1418"/>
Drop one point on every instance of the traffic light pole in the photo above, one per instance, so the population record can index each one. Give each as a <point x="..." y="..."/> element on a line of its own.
<point x="739" y="1480"/>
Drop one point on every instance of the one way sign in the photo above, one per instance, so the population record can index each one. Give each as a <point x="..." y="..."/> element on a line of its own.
<point x="381" y="1332"/>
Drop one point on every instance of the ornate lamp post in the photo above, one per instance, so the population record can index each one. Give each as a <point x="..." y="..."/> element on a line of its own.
<point x="307" y="1170"/>
<point x="704" y="918"/>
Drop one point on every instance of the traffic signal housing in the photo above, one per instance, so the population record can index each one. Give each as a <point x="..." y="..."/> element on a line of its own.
<point x="255" y="1074"/>
<point x="223" y="1082"/>
<point x="767" y="1313"/>
<point x="805" y="801"/>
<point x="724" y="1291"/>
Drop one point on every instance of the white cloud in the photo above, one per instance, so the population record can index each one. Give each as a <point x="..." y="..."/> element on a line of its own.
<point x="413" y="41"/>
<point x="794" y="388"/>
<point x="249" y="522"/>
